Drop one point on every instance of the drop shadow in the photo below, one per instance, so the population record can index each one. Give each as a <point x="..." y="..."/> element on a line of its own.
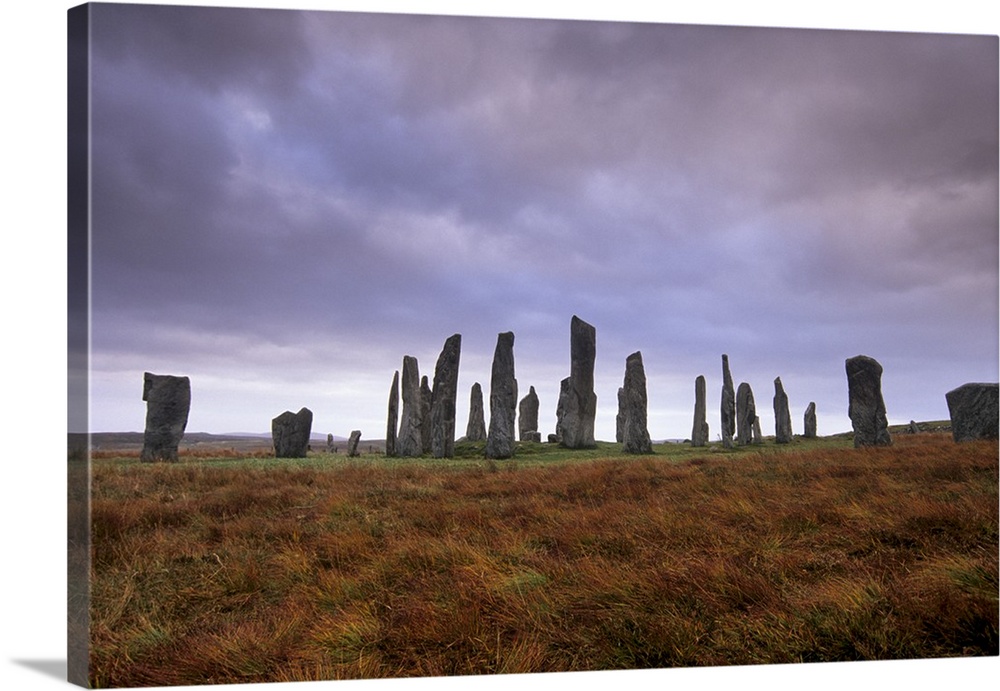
<point x="50" y="668"/>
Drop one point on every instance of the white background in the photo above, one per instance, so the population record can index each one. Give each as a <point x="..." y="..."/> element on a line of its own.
<point x="33" y="337"/>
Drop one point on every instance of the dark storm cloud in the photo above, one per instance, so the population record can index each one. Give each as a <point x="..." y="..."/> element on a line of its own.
<point x="339" y="189"/>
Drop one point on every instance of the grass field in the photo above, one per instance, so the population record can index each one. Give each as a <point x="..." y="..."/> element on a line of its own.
<point x="222" y="569"/>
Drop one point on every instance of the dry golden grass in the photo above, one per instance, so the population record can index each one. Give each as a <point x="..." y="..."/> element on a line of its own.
<point x="221" y="572"/>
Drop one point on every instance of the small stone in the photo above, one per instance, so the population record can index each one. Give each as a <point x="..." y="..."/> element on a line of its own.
<point x="476" y="429"/>
<point x="352" y="443"/>
<point x="527" y="415"/>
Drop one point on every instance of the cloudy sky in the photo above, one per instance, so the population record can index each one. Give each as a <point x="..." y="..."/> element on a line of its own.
<point x="284" y="204"/>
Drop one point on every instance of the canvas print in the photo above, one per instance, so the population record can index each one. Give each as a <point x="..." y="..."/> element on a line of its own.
<point x="413" y="346"/>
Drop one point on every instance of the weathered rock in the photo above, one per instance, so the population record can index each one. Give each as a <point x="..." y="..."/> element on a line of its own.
<point x="782" y="415"/>
<point x="561" y="407"/>
<point x="914" y="427"/>
<point x="392" y="419"/>
<point x="532" y="436"/>
<point x="756" y="436"/>
<point x="444" y="398"/>
<point x="503" y="400"/>
<point x="635" y="435"/>
<point x="527" y="415"/>
<point x="168" y="402"/>
<point x="553" y="439"/>
<point x="865" y="405"/>
<point x="728" y="412"/>
<point x="580" y="408"/>
<point x="290" y="433"/>
<point x="476" y="429"/>
<point x="352" y="443"/>
<point x="620" y="417"/>
<point x="746" y="411"/>
<point x="330" y="448"/>
<point x="699" y="429"/>
<point x="973" y="409"/>
<point x="809" y="421"/>
<point x="426" y="426"/>
<point x="410" y="442"/>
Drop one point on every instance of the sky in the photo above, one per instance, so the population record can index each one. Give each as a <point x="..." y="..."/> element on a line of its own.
<point x="284" y="204"/>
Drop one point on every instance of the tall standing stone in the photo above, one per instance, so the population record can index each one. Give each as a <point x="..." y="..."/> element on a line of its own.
<point x="410" y="441"/>
<point x="352" y="443"/>
<point x="527" y="416"/>
<point x="728" y="412"/>
<point x="580" y="408"/>
<point x="620" y="417"/>
<point x="561" y="410"/>
<point x="746" y="411"/>
<point x="865" y="405"/>
<point x="290" y="433"/>
<point x="392" y="419"/>
<point x="635" y="435"/>
<point x="809" y="421"/>
<point x="699" y="429"/>
<point x="503" y="400"/>
<point x="756" y="436"/>
<point x="782" y="415"/>
<point x="426" y="425"/>
<point x="973" y="410"/>
<point x="476" y="429"/>
<point x="168" y="402"/>
<point x="443" y="400"/>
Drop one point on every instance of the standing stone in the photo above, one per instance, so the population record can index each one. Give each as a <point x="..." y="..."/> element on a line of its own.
<point x="809" y="421"/>
<point x="352" y="443"/>
<point x="746" y="411"/>
<point x="580" y="409"/>
<point x="782" y="415"/>
<point x="973" y="410"/>
<point x="620" y="417"/>
<point x="635" y="435"/>
<point x="290" y="433"/>
<point x="527" y="417"/>
<point x="426" y="426"/>
<point x="444" y="398"/>
<point x="728" y="412"/>
<point x="757" y="437"/>
<point x="476" y="429"/>
<point x="329" y="444"/>
<point x="168" y="402"/>
<point x="561" y="409"/>
<point x="914" y="427"/>
<point x="503" y="400"/>
<point x="392" y="419"/>
<point x="865" y="405"/>
<point x="699" y="430"/>
<point x="410" y="442"/>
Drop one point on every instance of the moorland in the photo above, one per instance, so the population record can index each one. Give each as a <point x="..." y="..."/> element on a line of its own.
<point x="233" y="566"/>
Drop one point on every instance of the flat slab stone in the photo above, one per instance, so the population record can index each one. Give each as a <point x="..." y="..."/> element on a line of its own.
<point x="973" y="409"/>
<point x="168" y="402"/>
<point x="290" y="433"/>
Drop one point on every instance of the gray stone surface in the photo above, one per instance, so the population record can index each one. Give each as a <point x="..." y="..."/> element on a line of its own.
<point x="561" y="407"/>
<point x="865" y="405"/>
<point x="443" y="400"/>
<point x="426" y="426"/>
<point x="620" y="417"/>
<point x="392" y="418"/>
<point x="503" y="400"/>
<point x="699" y="429"/>
<point x="728" y="411"/>
<point x="973" y="409"/>
<point x="330" y="447"/>
<point x="580" y="407"/>
<point x="410" y="442"/>
<point x="352" y="443"/>
<point x="809" y="421"/>
<point x="782" y="415"/>
<point x="553" y="439"/>
<point x="168" y="402"/>
<point x="476" y="429"/>
<point x="532" y="436"/>
<point x="756" y="436"/>
<point x="527" y="415"/>
<point x="290" y="433"/>
<point x="746" y="411"/>
<point x="635" y="435"/>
